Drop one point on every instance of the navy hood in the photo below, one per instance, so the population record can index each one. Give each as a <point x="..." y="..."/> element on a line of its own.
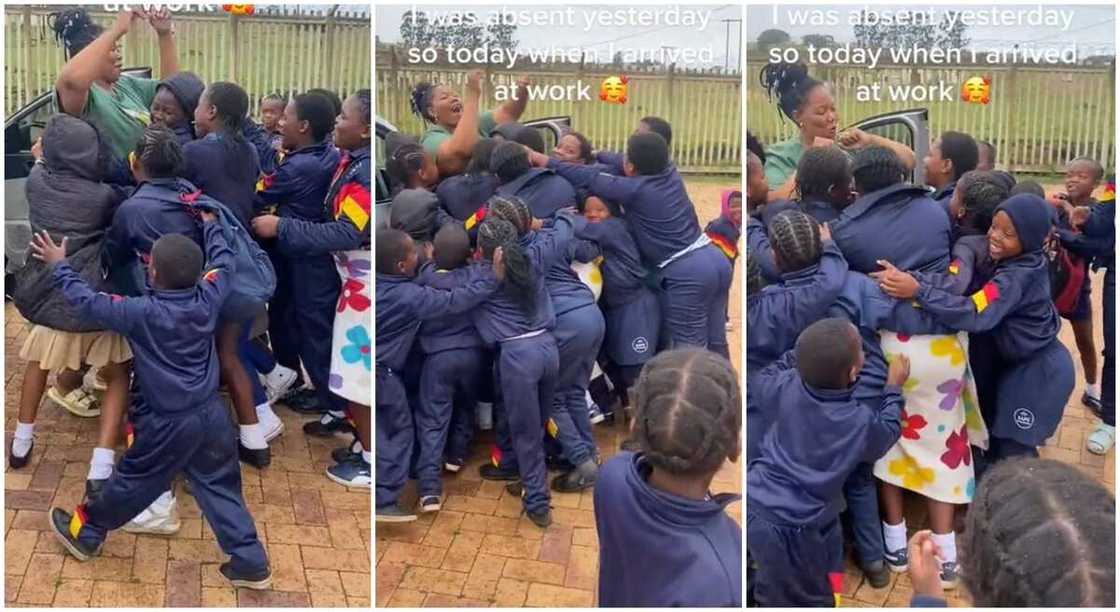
<point x="187" y="88"/>
<point x="1032" y="219"/>
<point x="413" y="211"/>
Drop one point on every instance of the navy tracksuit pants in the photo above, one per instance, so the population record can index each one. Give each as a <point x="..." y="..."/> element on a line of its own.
<point x="694" y="292"/>
<point x="395" y="434"/>
<point x="579" y="334"/>
<point x="795" y="565"/>
<point x="1108" y="377"/>
<point x="449" y="378"/>
<point x="281" y="323"/>
<point x="200" y="443"/>
<point x="527" y="373"/>
<point x="862" y="498"/>
<point x="315" y="290"/>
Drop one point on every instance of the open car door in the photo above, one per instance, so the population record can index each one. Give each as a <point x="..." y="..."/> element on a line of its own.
<point x="911" y="128"/>
<point x="551" y="129"/>
<point x="382" y="186"/>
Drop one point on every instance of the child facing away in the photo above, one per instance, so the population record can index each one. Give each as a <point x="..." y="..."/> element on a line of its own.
<point x="795" y="486"/>
<point x="664" y="538"/>
<point x="1041" y="533"/>
<point x="180" y="422"/>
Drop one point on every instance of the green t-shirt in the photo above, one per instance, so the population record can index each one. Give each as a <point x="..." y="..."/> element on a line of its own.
<point x="436" y="134"/>
<point x="121" y="113"/>
<point x="781" y="161"/>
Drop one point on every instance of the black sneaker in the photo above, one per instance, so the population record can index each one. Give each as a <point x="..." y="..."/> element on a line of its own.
<point x="256" y="457"/>
<point x="344" y="454"/>
<point x="429" y="503"/>
<point x="542" y="518"/>
<point x="878" y="576"/>
<point x="572" y="482"/>
<point x="94" y="487"/>
<point x="453" y="465"/>
<point x="950" y="575"/>
<point x="1092" y="403"/>
<point x="257" y="581"/>
<point x="489" y="472"/>
<point x="394" y="514"/>
<point x="59" y="521"/>
<point x="327" y="426"/>
<point x="16" y="462"/>
<point x="306" y="403"/>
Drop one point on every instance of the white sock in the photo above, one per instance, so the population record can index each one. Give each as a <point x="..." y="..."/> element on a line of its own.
<point x="265" y="414"/>
<point x="947" y="542"/>
<point x="101" y="464"/>
<point x="21" y="443"/>
<point x="252" y="436"/>
<point x="1093" y="391"/>
<point x="366" y="456"/>
<point x="894" y="536"/>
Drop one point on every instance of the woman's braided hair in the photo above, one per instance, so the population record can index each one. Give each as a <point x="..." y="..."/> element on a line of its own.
<point x="420" y="100"/>
<point x="688" y="411"/>
<point x="74" y="30"/>
<point x="1040" y="533"/>
<point x="512" y="209"/>
<point x="796" y="240"/>
<point x="789" y="83"/>
<point x="520" y="279"/>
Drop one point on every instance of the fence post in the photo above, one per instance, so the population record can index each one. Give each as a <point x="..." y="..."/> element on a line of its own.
<point x="231" y="60"/>
<point x="328" y="42"/>
<point x="29" y="53"/>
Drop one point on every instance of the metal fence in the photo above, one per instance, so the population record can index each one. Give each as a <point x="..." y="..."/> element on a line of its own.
<point x="263" y="54"/>
<point x="1038" y="118"/>
<point x="704" y="108"/>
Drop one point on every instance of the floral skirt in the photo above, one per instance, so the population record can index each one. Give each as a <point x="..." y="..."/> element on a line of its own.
<point x="941" y="420"/>
<point x="351" y="349"/>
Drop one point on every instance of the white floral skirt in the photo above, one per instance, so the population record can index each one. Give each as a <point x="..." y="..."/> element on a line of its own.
<point x="351" y="349"/>
<point x="941" y="420"/>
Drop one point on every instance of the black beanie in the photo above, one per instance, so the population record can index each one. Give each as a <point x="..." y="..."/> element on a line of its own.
<point x="1032" y="219"/>
<point x="413" y="211"/>
<point x="187" y="89"/>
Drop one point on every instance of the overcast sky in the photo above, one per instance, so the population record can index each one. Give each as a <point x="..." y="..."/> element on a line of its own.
<point x="1090" y="25"/>
<point x="387" y="20"/>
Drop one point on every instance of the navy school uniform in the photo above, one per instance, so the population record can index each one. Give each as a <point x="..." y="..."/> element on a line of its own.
<point x="758" y="245"/>
<point x="630" y="309"/>
<point x="226" y="169"/>
<point x="694" y="277"/>
<point x="1100" y="229"/>
<point x="900" y="224"/>
<point x="543" y="191"/>
<point x="794" y="487"/>
<point x="401" y="306"/>
<point x="610" y="162"/>
<point x="579" y="334"/>
<point x="308" y="285"/>
<point x="463" y="198"/>
<point x="527" y="363"/>
<point x="264" y="143"/>
<point x="180" y="423"/>
<point x="449" y="380"/>
<point x="660" y="550"/>
<point x="820" y="210"/>
<point x="944" y="195"/>
<point x="184" y="132"/>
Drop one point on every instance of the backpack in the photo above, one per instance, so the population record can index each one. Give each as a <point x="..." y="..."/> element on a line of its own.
<point x="1067" y="275"/>
<point x="254" y="279"/>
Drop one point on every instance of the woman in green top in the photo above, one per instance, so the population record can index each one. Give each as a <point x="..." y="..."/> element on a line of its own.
<point x="809" y="104"/>
<point x="91" y="86"/>
<point x="455" y="125"/>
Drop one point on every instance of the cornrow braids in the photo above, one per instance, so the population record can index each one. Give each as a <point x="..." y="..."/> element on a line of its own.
<point x="508" y="161"/>
<point x="365" y="104"/>
<point x="981" y="193"/>
<point x="159" y="152"/>
<point x="421" y="98"/>
<point x="754" y="275"/>
<point x="1040" y="533"/>
<point x="512" y="209"/>
<point x="875" y="168"/>
<point x="405" y="159"/>
<point x="789" y="83"/>
<point x="821" y="169"/>
<point x="520" y="279"/>
<point x="796" y="240"/>
<point x="687" y="411"/>
<point x="755" y="146"/>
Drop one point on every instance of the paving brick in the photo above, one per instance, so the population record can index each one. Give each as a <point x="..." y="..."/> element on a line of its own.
<point x="73" y="594"/>
<point x="534" y="571"/>
<point x="98" y="568"/>
<point x="41" y="579"/>
<point x="248" y="598"/>
<point x="433" y="580"/>
<point x="213" y="597"/>
<point x="315" y="557"/>
<point x="150" y="562"/>
<point x="19" y="545"/>
<point x="125" y="595"/>
<point x="184" y="584"/>
<point x="550" y="596"/>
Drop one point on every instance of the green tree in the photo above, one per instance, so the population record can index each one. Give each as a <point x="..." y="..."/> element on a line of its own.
<point x="936" y="36"/>
<point x="772" y="38"/>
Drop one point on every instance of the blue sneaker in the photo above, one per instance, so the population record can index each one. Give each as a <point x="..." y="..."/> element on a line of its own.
<point x="897" y="560"/>
<point x="596" y="414"/>
<point x="354" y="474"/>
<point x="950" y="575"/>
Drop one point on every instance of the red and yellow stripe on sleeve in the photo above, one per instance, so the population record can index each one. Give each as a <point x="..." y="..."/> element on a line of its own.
<point x="78" y="520"/>
<point x="729" y="249"/>
<point x="264" y="182"/>
<point x="955" y="266"/>
<point x="353" y="202"/>
<point x="475" y="218"/>
<point x="985" y="296"/>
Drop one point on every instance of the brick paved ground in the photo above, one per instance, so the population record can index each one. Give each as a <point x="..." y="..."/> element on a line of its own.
<point x="316" y="532"/>
<point x="1067" y="445"/>
<point x="480" y="551"/>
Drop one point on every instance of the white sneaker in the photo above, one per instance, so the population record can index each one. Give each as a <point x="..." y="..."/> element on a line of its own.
<point x="272" y="429"/>
<point x="160" y="518"/>
<point x="278" y="382"/>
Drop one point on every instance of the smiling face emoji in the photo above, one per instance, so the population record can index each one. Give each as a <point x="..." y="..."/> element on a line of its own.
<point x="238" y="9"/>
<point x="613" y="90"/>
<point x="977" y="90"/>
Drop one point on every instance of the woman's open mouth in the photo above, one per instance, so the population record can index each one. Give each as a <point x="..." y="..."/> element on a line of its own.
<point x="456" y="107"/>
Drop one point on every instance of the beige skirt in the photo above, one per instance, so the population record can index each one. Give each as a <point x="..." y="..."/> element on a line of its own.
<point x="56" y="350"/>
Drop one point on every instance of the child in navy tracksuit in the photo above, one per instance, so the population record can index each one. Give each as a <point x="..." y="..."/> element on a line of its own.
<point x="518" y="321"/>
<point x="301" y="313"/>
<point x="463" y="197"/>
<point x="949" y="157"/>
<point x="453" y="366"/>
<point x="401" y="306"/>
<point x="1015" y="307"/>
<point x="540" y="188"/>
<point x="180" y="423"/>
<point x="695" y="276"/>
<point x="664" y="538"/>
<point x="820" y="434"/>
<point x="174" y="105"/>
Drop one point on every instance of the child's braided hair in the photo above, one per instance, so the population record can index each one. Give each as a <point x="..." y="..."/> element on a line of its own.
<point x="159" y="152"/>
<point x="512" y="209"/>
<point x="508" y="161"/>
<point x="365" y="104"/>
<point x="1040" y="533"/>
<point x="876" y="167"/>
<point x="232" y="106"/>
<point x="796" y="240"/>
<point x="754" y="275"/>
<point x="981" y="193"/>
<point x="405" y="157"/>
<point x="820" y="169"/>
<point x="687" y="411"/>
<point x="520" y="279"/>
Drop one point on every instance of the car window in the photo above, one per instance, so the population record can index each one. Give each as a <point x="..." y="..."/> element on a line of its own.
<point x="19" y="136"/>
<point x="898" y="132"/>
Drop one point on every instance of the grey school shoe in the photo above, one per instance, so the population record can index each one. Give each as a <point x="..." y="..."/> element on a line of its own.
<point x="950" y="575"/>
<point x="897" y="560"/>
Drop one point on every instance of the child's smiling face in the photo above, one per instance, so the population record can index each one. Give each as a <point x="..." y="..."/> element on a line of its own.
<point x="568" y="150"/>
<point x="1081" y="180"/>
<point x="407" y="265"/>
<point x="351" y="131"/>
<point x="735" y="209"/>
<point x="595" y="210"/>
<point x="166" y="109"/>
<point x="1003" y="238"/>
<point x="271" y="112"/>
